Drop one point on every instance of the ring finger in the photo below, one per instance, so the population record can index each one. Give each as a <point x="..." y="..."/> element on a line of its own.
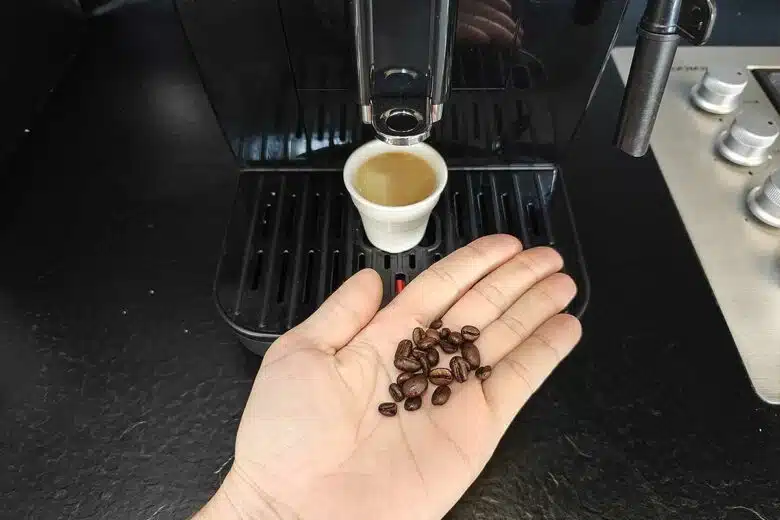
<point x="540" y="303"/>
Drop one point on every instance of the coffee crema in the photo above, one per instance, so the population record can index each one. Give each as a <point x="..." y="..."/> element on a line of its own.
<point x="395" y="179"/>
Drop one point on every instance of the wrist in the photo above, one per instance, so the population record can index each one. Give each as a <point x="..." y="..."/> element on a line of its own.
<point x="238" y="499"/>
<point x="219" y="507"/>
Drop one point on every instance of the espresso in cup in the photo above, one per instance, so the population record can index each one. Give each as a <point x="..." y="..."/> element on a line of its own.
<point x="395" y="189"/>
<point x="395" y="179"/>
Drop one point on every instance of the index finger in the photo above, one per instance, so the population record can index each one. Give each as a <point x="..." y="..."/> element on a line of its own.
<point x="434" y="291"/>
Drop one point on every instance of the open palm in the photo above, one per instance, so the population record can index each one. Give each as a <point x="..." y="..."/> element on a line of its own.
<point x="312" y="444"/>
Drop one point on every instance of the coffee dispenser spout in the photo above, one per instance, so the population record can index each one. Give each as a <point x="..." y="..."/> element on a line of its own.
<point x="401" y="123"/>
<point x="403" y="51"/>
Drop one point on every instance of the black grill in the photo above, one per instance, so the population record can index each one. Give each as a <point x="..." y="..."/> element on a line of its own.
<point x="295" y="236"/>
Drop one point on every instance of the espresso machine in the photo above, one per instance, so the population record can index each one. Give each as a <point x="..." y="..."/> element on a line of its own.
<point x="498" y="87"/>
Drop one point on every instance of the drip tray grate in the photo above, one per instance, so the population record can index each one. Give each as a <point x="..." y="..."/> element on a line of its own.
<point x="295" y="236"/>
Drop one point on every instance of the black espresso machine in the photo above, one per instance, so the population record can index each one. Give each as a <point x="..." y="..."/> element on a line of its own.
<point x="498" y="87"/>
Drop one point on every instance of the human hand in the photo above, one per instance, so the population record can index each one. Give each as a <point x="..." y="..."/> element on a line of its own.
<point x="488" y="21"/>
<point x="312" y="444"/>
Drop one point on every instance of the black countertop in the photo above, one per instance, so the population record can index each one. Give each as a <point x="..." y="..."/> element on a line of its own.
<point x="121" y="389"/>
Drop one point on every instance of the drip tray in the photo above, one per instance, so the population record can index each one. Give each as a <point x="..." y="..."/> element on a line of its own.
<point x="294" y="236"/>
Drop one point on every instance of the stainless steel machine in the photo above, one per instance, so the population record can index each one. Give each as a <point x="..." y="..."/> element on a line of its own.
<point x="499" y="87"/>
<point x="716" y="143"/>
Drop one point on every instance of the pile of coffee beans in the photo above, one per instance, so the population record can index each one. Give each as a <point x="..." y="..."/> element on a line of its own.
<point x="417" y="359"/>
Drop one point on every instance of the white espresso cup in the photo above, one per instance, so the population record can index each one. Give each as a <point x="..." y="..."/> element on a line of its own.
<point x="395" y="228"/>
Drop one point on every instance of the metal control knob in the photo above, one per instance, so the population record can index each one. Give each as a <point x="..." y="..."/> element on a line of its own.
<point x="764" y="201"/>
<point x="748" y="139"/>
<point x="719" y="89"/>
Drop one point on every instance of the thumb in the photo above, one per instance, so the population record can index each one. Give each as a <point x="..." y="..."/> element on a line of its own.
<point x="344" y="313"/>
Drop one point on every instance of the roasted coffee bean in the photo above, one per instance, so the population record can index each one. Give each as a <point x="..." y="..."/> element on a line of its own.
<point x="436" y="324"/>
<point x="388" y="409"/>
<point x="471" y="354"/>
<point x="404" y="349"/>
<point x="403" y="377"/>
<point x="418" y="353"/>
<point x="460" y="369"/>
<point x="483" y="373"/>
<point x="433" y="333"/>
<point x="412" y="404"/>
<point x="407" y="364"/>
<point x="443" y="333"/>
<point x="441" y="395"/>
<point x="415" y="386"/>
<point x="428" y="342"/>
<point x="425" y="366"/>
<point x="396" y="393"/>
<point x="470" y="333"/>
<point x="433" y="356"/>
<point x="448" y="347"/>
<point x="456" y="338"/>
<point x="440" y="376"/>
<point x="417" y="335"/>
